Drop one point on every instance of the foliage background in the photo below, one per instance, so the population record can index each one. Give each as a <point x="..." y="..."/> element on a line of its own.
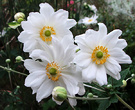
<point x="15" y="96"/>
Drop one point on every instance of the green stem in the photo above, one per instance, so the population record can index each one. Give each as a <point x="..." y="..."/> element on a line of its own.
<point x="70" y="105"/>
<point x="124" y="103"/>
<point x="98" y="85"/>
<point x="10" y="80"/>
<point x="9" y="69"/>
<point x="85" y="98"/>
<point x="93" y="87"/>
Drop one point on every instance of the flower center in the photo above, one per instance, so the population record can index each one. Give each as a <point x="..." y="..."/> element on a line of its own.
<point x="100" y="54"/>
<point x="46" y="32"/>
<point x="53" y="71"/>
<point x="89" y="20"/>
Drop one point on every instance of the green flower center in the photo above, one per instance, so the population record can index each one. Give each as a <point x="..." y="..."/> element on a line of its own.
<point x="99" y="54"/>
<point x="53" y="71"/>
<point x="47" y="33"/>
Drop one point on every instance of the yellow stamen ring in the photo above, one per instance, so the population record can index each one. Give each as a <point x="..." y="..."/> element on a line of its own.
<point x="46" y="32"/>
<point x="100" y="54"/>
<point x="53" y="71"/>
<point x="89" y="20"/>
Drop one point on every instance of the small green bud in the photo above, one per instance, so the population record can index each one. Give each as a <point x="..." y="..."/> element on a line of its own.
<point x="59" y="93"/>
<point x="109" y="86"/>
<point x="8" y="60"/>
<point x="20" y="20"/>
<point x="19" y="15"/>
<point x="90" y="95"/>
<point x="124" y="83"/>
<point x="132" y="75"/>
<point x="18" y="87"/>
<point x="19" y="59"/>
<point x="133" y="81"/>
<point x="85" y="4"/>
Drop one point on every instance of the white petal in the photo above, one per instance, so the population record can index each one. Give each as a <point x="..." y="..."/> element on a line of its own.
<point x="71" y="84"/>
<point x="36" y="20"/>
<point x="111" y="39"/>
<point x="80" y="40"/>
<point x="101" y="76"/>
<point x="72" y="102"/>
<point x="35" y="79"/>
<point x="81" y="88"/>
<point x="89" y="73"/>
<point x="70" y="23"/>
<point x="24" y="36"/>
<point x="40" y="54"/>
<point x="102" y="29"/>
<point x="112" y="65"/>
<point x="117" y="76"/>
<point x="32" y="65"/>
<point x="120" y="56"/>
<point x="44" y="90"/>
<point x="82" y="59"/>
<point x="46" y="9"/>
<point x="121" y="43"/>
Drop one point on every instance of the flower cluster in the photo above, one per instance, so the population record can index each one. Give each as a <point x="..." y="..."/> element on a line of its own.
<point x="54" y="61"/>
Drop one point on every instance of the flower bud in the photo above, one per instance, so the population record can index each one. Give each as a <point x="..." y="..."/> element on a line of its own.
<point x="19" y="15"/>
<point x="109" y="86"/>
<point x="8" y="61"/>
<point x="133" y="81"/>
<point x="90" y="95"/>
<point x="20" y="20"/>
<point x="132" y="75"/>
<point x="124" y="83"/>
<point x="59" y="93"/>
<point x="19" y="59"/>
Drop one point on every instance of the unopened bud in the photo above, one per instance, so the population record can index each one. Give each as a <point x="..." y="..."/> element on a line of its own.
<point x="59" y="93"/>
<point x="8" y="61"/>
<point x="133" y="75"/>
<point x="19" y="15"/>
<point x="109" y="86"/>
<point x="90" y="95"/>
<point x="20" y="20"/>
<point x="19" y="59"/>
<point x="124" y="83"/>
<point x="133" y="81"/>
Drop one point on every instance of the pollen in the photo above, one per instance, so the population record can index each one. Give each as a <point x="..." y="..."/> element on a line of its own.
<point x="46" y="32"/>
<point x="53" y="71"/>
<point x="100" y="54"/>
<point x="89" y="20"/>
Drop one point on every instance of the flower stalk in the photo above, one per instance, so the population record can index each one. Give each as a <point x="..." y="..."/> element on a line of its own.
<point x="124" y="103"/>
<point x="85" y="98"/>
<point x="9" y="69"/>
<point x="93" y="87"/>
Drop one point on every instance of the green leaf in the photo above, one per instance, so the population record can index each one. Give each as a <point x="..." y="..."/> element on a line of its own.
<point x="104" y="104"/>
<point x="14" y="24"/>
<point x="49" y="104"/>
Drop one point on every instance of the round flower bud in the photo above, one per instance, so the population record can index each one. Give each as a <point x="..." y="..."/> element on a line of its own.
<point x="8" y="60"/>
<point x="90" y="95"/>
<point x="133" y="81"/>
<point x="59" y="93"/>
<point x="20" y="20"/>
<point x="124" y="83"/>
<point x="109" y="86"/>
<point x="132" y="75"/>
<point x="18" y="59"/>
<point x="19" y="15"/>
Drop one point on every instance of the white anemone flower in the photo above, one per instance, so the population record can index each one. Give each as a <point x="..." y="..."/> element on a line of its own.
<point x="100" y="54"/>
<point x="53" y="67"/>
<point x="93" y="8"/>
<point x="45" y="24"/>
<point x="88" y="20"/>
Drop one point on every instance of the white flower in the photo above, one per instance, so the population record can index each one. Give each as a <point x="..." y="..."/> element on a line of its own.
<point x="44" y="25"/>
<point x="101" y="54"/>
<point x="53" y="67"/>
<point x="93" y="8"/>
<point x="88" y="20"/>
<point x="2" y="33"/>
